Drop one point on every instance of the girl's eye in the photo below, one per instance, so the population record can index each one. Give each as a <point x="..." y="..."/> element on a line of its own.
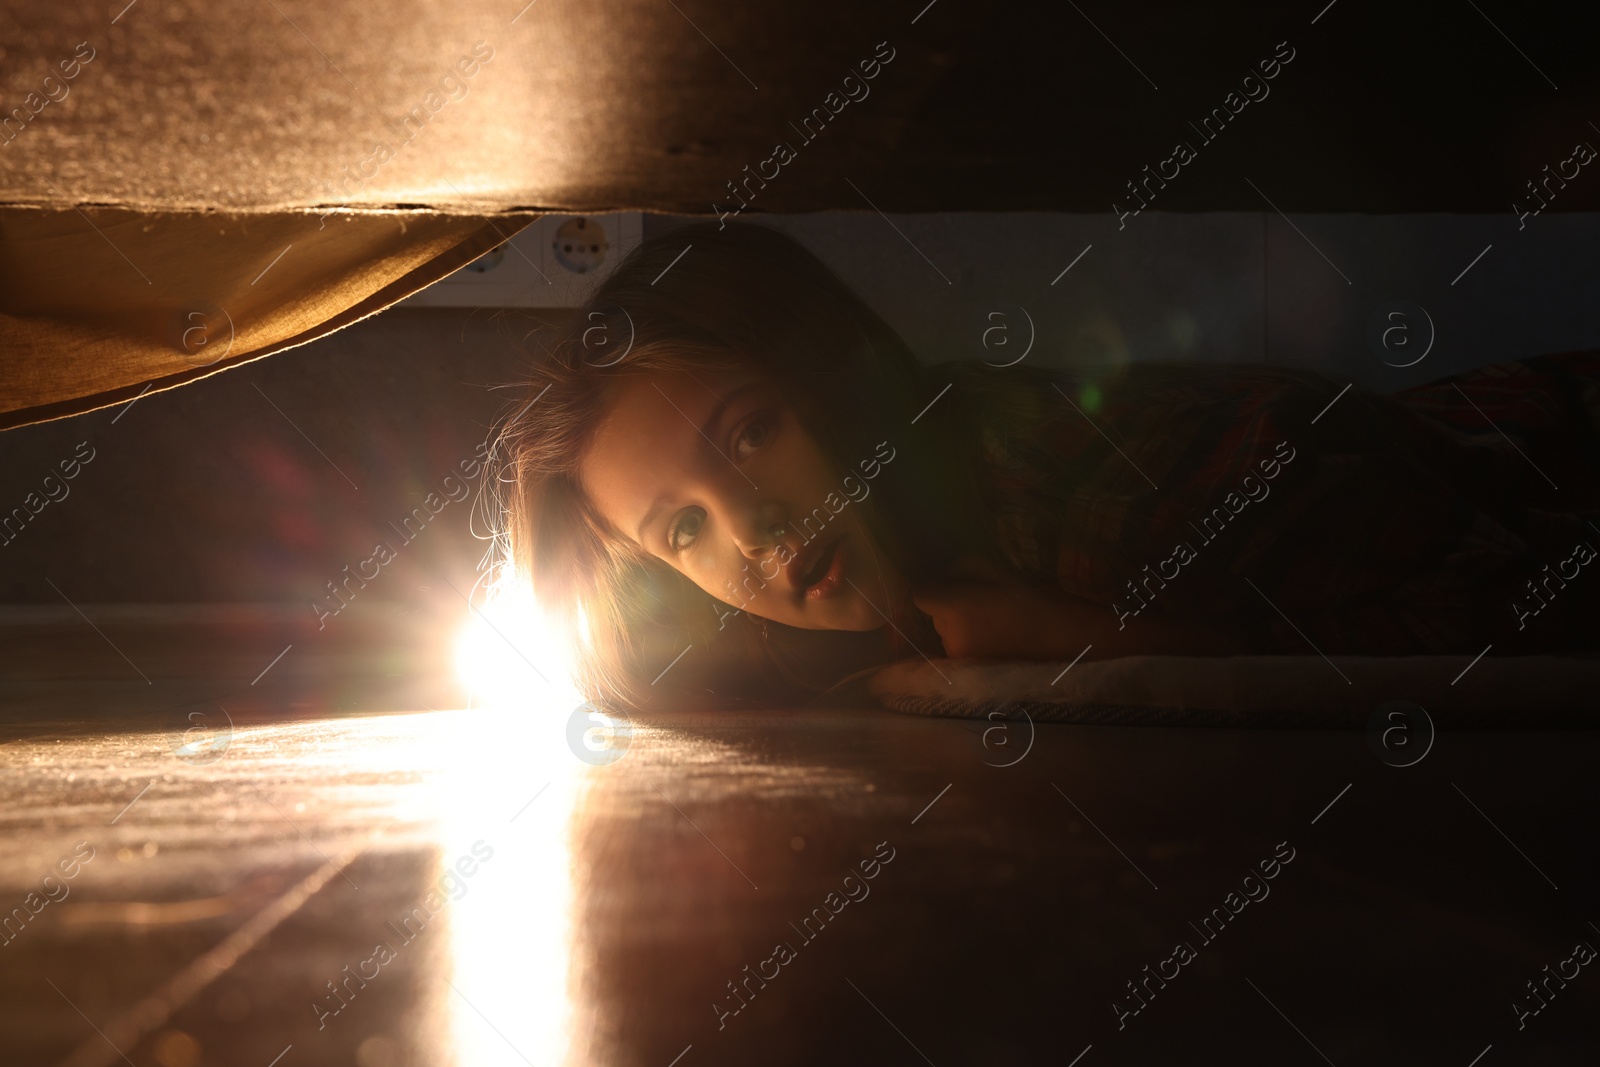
<point x="755" y="435"/>
<point x="686" y="529"/>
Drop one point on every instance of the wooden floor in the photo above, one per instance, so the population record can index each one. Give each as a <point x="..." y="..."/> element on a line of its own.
<point x="224" y="882"/>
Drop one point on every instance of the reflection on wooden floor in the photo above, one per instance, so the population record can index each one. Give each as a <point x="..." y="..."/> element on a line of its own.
<point x="434" y="887"/>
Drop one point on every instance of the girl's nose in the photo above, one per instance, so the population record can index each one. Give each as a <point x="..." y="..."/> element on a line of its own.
<point x="760" y="530"/>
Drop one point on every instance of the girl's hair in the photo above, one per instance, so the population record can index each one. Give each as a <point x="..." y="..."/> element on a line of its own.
<point x="703" y="297"/>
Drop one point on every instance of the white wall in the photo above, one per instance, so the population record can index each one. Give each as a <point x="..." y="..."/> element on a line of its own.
<point x="1220" y="286"/>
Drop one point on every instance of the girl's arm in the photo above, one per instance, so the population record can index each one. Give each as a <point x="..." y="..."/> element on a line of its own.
<point x="988" y="621"/>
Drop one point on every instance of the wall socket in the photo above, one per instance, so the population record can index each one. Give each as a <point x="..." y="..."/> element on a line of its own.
<point x="554" y="263"/>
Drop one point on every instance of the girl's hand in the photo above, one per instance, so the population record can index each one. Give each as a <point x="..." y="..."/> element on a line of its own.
<point x="984" y="621"/>
<point x="981" y="620"/>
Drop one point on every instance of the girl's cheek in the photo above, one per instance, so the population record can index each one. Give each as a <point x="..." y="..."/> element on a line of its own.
<point x="714" y="570"/>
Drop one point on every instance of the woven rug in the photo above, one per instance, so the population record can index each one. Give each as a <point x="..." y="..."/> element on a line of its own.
<point x="1252" y="691"/>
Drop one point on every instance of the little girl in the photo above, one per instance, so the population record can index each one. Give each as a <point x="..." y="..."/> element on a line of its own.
<point x="729" y="460"/>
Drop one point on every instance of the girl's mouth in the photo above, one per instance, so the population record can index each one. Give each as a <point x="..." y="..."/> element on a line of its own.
<point x="824" y="576"/>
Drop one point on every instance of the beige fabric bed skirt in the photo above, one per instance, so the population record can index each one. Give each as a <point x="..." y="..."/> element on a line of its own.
<point x="100" y="305"/>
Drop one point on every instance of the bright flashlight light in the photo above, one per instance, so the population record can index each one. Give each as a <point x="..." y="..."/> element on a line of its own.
<point x="513" y="787"/>
<point x="511" y="655"/>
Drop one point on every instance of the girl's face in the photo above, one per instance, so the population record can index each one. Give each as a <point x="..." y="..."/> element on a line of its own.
<point x="713" y="473"/>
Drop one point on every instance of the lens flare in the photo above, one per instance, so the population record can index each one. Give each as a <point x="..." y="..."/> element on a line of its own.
<point x="511" y="654"/>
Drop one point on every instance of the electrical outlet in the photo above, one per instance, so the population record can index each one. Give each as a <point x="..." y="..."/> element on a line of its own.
<point x="554" y="263"/>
